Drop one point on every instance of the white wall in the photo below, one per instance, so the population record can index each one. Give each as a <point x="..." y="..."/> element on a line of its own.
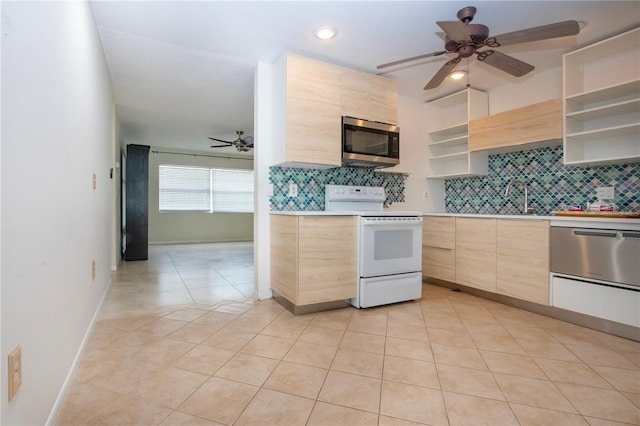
<point x="195" y="227"/>
<point x="56" y="132"/>
<point x="540" y="87"/>
<point x="413" y="152"/>
<point x="265" y="144"/>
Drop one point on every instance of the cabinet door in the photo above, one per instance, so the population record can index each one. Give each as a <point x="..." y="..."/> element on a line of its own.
<point x="313" y="125"/>
<point x="313" y="132"/>
<point x="476" y="253"/>
<point x="533" y="123"/>
<point x="523" y="259"/>
<point x="356" y="86"/>
<point x="438" y="247"/>
<point x="384" y="99"/>
<point x="284" y="256"/>
<point x="327" y="256"/>
<point x="369" y="97"/>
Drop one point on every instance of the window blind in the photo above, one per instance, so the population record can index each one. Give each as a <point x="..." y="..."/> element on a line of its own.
<point x="201" y="189"/>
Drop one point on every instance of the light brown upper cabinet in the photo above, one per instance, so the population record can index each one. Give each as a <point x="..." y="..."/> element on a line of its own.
<point x="369" y="97"/>
<point x="533" y="123"/>
<point x="310" y="97"/>
<point x="307" y="125"/>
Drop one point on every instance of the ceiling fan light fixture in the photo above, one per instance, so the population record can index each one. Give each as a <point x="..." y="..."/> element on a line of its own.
<point x="325" y="32"/>
<point x="457" y="75"/>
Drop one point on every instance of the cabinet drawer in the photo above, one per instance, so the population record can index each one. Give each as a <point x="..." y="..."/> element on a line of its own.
<point x="439" y="232"/>
<point x="439" y="263"/>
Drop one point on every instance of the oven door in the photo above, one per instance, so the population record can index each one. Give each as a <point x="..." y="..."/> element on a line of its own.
<point x="390" y="245"/>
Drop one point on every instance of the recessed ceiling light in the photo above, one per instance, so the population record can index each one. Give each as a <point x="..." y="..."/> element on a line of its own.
<point x="325" y="32"/>
<point x="457" y="75"/>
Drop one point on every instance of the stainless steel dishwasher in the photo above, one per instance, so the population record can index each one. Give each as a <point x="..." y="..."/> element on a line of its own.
<point x="597" y="272"/>
<point x="602" y="254"/>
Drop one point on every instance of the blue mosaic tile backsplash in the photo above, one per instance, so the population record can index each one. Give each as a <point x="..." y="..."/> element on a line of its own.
<point x="549" y="181"/>
<point x="311" y="185"/>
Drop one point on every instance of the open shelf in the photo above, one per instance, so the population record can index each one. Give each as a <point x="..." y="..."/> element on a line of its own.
<point x="608" y="132"/>
<point x="448" y="134"/>
<point x="602" y="101"/>
<point x="614" y="109"/>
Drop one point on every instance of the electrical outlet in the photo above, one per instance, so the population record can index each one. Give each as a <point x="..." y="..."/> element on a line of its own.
<point x="293" y="189"/>
<point x="15" y="371"/>
<point x="605" y="192"/>
<point x="94" y="181"/>
<point x="93" y="269"/>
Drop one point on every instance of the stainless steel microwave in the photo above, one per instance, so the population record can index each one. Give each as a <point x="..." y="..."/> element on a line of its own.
<point x="369" y="143"/>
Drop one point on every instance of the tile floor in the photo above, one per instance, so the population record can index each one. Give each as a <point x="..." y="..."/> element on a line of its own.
<point x="181" y="341"/>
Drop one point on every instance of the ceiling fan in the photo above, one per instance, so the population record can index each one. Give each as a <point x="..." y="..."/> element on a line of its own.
<point x="465" y="39"/>
<point x="241" y="144"/>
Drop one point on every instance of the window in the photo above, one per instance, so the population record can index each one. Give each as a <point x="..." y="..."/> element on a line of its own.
<point x="202" y="189"/>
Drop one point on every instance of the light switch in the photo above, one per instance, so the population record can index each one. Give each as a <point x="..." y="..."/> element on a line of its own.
<point x="293" y="189"/>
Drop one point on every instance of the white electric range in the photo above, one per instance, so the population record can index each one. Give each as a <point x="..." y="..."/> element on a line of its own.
<point x="389" y="245"/>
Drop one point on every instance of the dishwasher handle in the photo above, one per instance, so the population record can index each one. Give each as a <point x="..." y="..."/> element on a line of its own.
<point x="595" y="233"/>
<point x="631" y="234"/>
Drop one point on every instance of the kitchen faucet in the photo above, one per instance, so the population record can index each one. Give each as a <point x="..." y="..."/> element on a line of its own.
<point x="526" y="208"/>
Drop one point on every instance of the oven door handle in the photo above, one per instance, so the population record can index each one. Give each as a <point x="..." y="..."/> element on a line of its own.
<point x="391" y="223"/>
<point x="598" y="233"/>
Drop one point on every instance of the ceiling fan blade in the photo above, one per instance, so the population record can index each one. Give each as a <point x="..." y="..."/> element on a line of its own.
<point x="220" y="146"/>
<point x="544" y="32"/>
<point x="505" y="63"/>
<point x="455" y="30"/>
<point x="413" y="58"/>
<point x="442" y="73"/>
<point x="220" y="140"/>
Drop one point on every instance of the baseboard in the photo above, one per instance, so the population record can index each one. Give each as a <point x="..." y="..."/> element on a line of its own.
<point x="158" y="243"/>
<point x="68" y="381"/>
<point x="599" y="324"/>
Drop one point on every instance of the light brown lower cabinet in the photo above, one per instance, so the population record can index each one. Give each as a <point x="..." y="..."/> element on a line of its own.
<point x="523" y="259"/>
<point x="439" y="247"/>
<point x="476" y="253"/>
<point x="313" y="258"/>
<point x="504" y="256"/>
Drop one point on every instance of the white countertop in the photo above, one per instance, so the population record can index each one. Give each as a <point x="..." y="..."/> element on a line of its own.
<point x="566" y="221"/>
<point x="312" y="213"/>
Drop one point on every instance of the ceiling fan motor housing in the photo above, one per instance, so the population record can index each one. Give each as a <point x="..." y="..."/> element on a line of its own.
<point x="478" y="33"/>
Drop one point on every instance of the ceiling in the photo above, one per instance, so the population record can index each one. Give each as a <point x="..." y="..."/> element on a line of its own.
<point x="183" y="70"/>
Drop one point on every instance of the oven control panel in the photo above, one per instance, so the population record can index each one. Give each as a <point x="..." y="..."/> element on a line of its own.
<point x="354" y="193"/>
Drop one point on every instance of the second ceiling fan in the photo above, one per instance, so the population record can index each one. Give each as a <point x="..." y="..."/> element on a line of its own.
<point x="242" y="144"/>
<point x="465" y="39"/>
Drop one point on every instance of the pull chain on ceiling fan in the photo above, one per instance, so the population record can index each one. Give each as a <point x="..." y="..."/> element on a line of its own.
<point x="465" y="39"/>
<point x="242" y="144"/>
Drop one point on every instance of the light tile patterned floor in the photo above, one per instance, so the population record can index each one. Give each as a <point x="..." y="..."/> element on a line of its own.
<point x="181" y="341"/>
